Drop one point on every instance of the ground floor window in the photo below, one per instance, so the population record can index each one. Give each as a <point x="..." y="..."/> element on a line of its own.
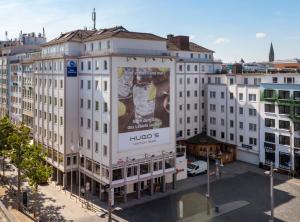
<point x="284" y="160"/>
<point x="269" y="156"/>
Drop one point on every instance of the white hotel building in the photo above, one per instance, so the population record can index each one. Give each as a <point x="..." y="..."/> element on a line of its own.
<point x="77" y="114"/>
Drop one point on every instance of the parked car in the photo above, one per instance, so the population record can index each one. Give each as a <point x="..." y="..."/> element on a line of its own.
<point x="196" y="167"/>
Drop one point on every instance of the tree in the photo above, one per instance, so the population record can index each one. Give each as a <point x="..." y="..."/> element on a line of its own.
<point x="35" y="168"/>
<point x="6" y="129"/>
<point x="19" y="140"/>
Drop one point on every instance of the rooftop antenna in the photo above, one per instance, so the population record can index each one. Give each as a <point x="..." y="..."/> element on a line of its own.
<point x="94" y="19"/>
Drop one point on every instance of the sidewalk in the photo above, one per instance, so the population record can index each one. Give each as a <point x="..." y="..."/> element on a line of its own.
<point x="54" y="204"/>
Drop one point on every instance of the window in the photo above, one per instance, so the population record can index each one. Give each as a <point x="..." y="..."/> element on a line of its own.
<point x="96" y="125"/>
<point x="252" y="141"/>
<point x="274" y="79"/>
<point x="61" y="140"/>
<point x="231" y="95"/>
<point x="96" y="147"/>
<point x="180" y="67"/>
<point x="245" y="81"/>
<point x="105" y="107"/>
<point x="61" y="102"/>
<point x="241" y="110"/>
<point x="231" y="123"/>
<point x="188" y="80"/>
<point x="89" y="104"/>
<point x="97" y="105"/>
<point x="241" y="95"/>
<point x="89" y="84"/>
<point x="105" y="85"/>
<point x="252" y="97"/>
<point x="269" y="108"/>
<point x="192" y="55"/>
<point x="222" y="108"/>
<point x="270" y="137"/>
<point x="61" y="121"/>
<point x="284" y="160"/>
<point x="196" y="81"/>
<point x="231" y="81"/>
<point x="81" y="103"/>
<point x="284" y="140"/>
<point x="97" y="65"/>
<point x="105" y="65"/>
<point x="222" y="122"/>
<point x="241" y="125"/>
<point x="187" y="106"/>
<point x="180" y="94"/>
<point x="231" y="136"/>
<point x="88" y="123"/>
<point x="289" y="80"/>
<point x="269" y="93"/>
<point x="222" y="95"/>
<point x="252" y="127"/>
<point x="188" y="132"/>
<point x="297" y="142"/>
<point x="188" y="120"/>
<point x="269" y="122"/>
<point x="283" y="94"/>
<point x="195" y="93"/>
<point x="81" y="121"/>
<point x="81" y="84"/>
<point x="105" y="127"/>
<point x="180" y="81"/>
<point x="284" y="124"/>
<point x="283" y="109"/>
<point x="231" y="109"/>
<point x="188" y="68"/>
<point x="61" y="84"/>
<point x="187" y="93"/>
<point x="222" y="135"/>
<point x="241" y="139"/>
<point x="212" y="133"/>
<point x="212" y="107"/>
<point x="89" y="65"/>
<point x="212" y="94"/>
<point x="296" y="95"/>
<point x="195" y="119"/>
<point x="252" y="112"/>
<point x="195" y="106"/>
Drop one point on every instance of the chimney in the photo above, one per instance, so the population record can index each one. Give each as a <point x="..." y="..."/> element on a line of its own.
<point x="181" y="41"/>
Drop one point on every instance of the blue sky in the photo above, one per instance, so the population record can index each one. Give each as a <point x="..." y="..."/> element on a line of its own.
<point x="234" y="29"/>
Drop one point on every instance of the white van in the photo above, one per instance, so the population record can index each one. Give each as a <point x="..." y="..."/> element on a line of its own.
<point x="196" y="168"/>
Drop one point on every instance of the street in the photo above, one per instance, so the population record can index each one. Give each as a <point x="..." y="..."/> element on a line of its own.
<point x="249" y="186"/>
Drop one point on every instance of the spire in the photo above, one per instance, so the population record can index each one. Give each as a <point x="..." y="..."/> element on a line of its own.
<point x="271" y="53"/>
<point x="44" y="35"/>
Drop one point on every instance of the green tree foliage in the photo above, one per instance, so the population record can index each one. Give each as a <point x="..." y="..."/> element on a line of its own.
<point x="6" y="129"/>
<point x="35" y="168"/>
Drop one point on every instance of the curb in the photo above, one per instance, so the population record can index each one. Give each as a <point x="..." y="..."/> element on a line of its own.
<point x="7" y="214"/>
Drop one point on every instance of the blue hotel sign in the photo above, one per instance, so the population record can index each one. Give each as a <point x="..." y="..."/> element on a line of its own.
<point x="72" y="68"/>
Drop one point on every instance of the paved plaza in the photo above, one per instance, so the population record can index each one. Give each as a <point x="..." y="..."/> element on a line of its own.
<point x="241" y="193"/>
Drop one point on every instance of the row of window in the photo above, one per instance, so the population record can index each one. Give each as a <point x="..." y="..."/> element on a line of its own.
<point x="43" y="83"/>
<point x="97" y="105"/>
<point x="43" y="99"/>
<point x="88" y="65"/>
<point x="283" y="140"/>
<point x="251" y="141"/>
<point x="89" y="82"/>
<point x="87" y="144"/>
<point x="282" y="109"/>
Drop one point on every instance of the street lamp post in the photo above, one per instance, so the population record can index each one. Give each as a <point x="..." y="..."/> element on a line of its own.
<point x="208" y="184"/>
<point x="272" y="192"/>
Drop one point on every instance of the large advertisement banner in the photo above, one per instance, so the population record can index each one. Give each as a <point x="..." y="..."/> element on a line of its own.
<point x="143" y="107"/>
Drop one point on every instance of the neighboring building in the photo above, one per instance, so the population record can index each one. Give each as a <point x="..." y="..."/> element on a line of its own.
<point x="280" y="125"/>
<point x="193" y="63"/>
<point x="236" y="113"/>
<point x="291" y="64"/>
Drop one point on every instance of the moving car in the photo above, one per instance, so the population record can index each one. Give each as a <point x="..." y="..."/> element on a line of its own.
<point x="196" y="167"/>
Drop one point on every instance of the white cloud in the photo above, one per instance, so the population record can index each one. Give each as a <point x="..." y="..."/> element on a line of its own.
<point x="260" y="35"/>
<point x="192" y="37"/>
<point x="222" y="40"/>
